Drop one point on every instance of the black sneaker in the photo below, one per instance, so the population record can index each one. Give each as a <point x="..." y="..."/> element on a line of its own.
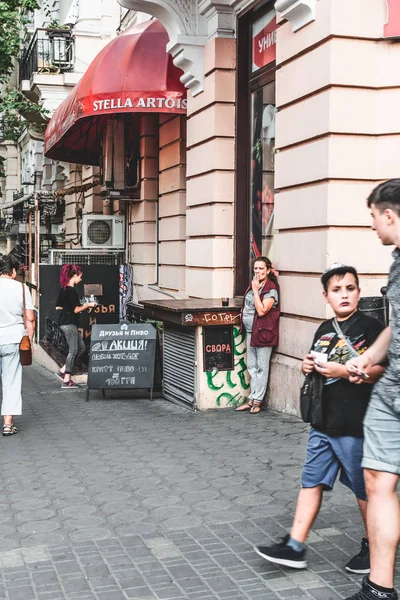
<point x="368" y="592"/>
<point x="360" y="563"/>
<point x="70" y="385"/>
<point x="282" y="554"/>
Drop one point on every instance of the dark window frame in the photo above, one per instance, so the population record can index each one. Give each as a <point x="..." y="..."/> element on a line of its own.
<point x="246" y="83"/>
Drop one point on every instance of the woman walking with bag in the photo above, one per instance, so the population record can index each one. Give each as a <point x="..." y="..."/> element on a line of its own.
<point x="15" y="320"/>
<point x="260" y="320"/>
<point x="69" y="304"/>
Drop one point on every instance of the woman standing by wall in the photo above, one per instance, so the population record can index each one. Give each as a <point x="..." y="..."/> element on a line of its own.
<point x="260" y="320"/>
<point x="12" y="329"/>
<point x="69" y="304"/>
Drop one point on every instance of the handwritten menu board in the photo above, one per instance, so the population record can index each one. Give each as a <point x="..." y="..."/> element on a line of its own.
<point x="122" y="356"/>
<point x="218" y="348"/>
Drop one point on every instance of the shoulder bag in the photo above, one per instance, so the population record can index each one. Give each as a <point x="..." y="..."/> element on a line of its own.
<point x="353" y="352"/>
<point x="311" y="399"/>
<point x="25" y="348"/>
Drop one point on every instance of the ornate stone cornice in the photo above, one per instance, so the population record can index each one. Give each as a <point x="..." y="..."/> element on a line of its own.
<point x="297" y="12"/>
<point x="191" y="23"/>
<point x="220" y="17"/>
<point x="188" y="55"/>
<point x="187" y="30"/>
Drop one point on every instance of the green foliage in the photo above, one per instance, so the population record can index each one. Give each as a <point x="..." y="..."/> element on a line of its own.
<point x="12" y="104"/>
<point x="56" y="25"/>
<point x="2" y="172"/>
<point x="11" y="22"/>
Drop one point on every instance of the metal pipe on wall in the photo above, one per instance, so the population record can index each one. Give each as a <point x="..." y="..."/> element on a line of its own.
<point x="30" y="246"/>
<point x="37" y="245"/>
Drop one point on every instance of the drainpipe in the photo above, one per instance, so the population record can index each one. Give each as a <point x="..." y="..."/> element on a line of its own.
<point x="30" y="245"/>
<point x="37" y="244"/>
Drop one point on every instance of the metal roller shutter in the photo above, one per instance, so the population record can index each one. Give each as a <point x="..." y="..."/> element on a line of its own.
<point x="179" y="362"/>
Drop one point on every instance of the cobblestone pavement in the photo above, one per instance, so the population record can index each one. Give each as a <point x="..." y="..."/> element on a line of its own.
<point x="118" y="499"/>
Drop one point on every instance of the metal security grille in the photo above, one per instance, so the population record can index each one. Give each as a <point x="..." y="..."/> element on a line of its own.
<point x="83" y="257"/>
<point x="179" y="366"/>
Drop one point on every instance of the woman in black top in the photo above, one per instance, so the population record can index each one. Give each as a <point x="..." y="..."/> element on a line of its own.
<point x="69" y="304"/>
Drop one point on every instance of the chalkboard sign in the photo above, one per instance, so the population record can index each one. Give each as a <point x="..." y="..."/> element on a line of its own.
<point x="122" y="356"/>
<point x="218" y="348"/>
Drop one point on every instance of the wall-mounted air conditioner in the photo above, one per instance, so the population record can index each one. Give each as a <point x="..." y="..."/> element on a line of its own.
<point x="103" y="231"/>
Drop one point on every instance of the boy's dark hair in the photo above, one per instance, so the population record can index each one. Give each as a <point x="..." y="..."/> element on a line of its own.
<point x="340" y="270"/>
<point x="268" y="264"/>
<point x="386" y="195"/>
<point x="7" y="264"/>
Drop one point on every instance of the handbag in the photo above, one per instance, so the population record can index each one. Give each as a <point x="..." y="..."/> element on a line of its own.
<point x="25" y="348"/>
<point x="311" y="399"/>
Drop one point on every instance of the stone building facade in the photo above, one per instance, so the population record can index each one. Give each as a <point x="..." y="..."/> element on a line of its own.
<point x="329" y="132"/>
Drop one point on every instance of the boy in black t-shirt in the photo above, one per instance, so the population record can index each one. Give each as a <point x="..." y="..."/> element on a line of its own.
<point x="337" y="446"/>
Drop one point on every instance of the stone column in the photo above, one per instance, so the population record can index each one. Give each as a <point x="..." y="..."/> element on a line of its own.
<point x="210" y="173"/>
<point x="172" y="202"/>
<point x="142" y="233"/>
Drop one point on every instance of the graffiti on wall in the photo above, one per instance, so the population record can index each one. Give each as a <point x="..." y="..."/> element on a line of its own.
<point x="231" y="385"/>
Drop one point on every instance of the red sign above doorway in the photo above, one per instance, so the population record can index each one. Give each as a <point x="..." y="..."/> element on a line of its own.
<point x="264" y="41"/>
<point x="392" y="28"/>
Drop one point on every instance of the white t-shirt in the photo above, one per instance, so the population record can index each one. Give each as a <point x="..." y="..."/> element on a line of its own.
<point x="11" y="308"/>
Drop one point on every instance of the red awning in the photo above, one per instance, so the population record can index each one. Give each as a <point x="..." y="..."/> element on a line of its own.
<point x="133" y="73"/>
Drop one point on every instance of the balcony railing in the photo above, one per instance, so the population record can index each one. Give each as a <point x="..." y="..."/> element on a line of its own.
<point x="49" y="51"/>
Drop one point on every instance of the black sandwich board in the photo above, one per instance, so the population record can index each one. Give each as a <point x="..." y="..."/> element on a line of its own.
<point x="122" y="357"/>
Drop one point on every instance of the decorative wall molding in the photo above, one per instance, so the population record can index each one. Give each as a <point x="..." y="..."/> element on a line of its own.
<point x="190" y="25"/>
<point x="187" y="31"/>
<point x="297" y="12"/>
<point x="188" y="55"/>
<point x="220" y="17"/>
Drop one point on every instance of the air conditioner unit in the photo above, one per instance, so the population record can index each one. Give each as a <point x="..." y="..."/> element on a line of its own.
<point x="103" y="231"/>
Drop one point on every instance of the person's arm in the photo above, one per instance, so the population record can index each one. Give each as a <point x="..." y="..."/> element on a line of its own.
<point x="30" y="323"/>
<point x="81" y="308"/>
<point x="332" y="370"/>
<point x="374" y="374"/>
<point x="263" y="306"/>
<point x="307" y="366"/>
<point x="375" y="355"/>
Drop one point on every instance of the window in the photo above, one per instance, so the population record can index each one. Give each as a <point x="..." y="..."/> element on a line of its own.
<point x="262" y="171"/>
<point x="255" y="144"/>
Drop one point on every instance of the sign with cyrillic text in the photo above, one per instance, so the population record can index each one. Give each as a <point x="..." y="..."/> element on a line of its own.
<point x="264" y="41"/>
<point x="122" y="356"/>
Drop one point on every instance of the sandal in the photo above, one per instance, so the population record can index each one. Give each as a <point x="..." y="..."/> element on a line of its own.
<point x="256" y="408"/>
<point x="9" y="429"/>
<point x="245" y="406"/>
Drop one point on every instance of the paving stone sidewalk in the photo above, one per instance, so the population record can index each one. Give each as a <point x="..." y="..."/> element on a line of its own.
<point x="126" y="498"/>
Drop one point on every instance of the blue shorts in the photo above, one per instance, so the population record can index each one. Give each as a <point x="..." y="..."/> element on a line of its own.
<point x="326" y="456"/>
